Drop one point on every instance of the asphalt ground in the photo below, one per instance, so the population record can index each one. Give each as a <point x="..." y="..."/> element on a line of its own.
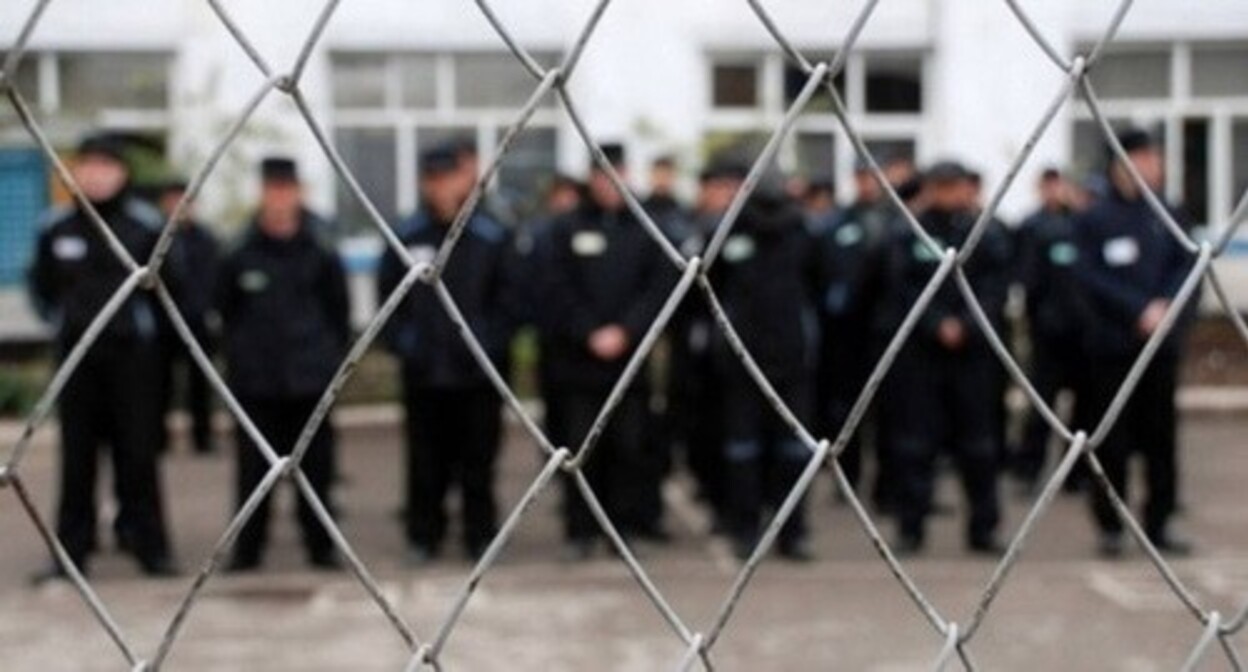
<point x="1062" y="608"/>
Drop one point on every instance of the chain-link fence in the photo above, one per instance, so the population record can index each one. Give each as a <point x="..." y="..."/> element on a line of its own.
<point x="427" y="648"/>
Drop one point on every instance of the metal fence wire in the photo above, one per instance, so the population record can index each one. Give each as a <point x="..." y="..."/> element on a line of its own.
<point x="953" y="637"/>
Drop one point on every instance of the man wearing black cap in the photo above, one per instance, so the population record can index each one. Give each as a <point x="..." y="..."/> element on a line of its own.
<point x="694" y="391"/>
<point x="605" y="283"/>
<point x="854" y="244"/>
<point x="769" y="278"/>
<point x="1131" y="267"/>
<point x="453" y="414"/>
<point x="282" y="297"/>
<point x="114" y="398"/>
<point x="1056" y="312"/>
<point x="662" y="204"/>
<point x="945" y="379"/>
<point x="197" y="254"/>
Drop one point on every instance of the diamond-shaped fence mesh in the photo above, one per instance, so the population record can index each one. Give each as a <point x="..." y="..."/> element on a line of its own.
<point x="427" y="648"/>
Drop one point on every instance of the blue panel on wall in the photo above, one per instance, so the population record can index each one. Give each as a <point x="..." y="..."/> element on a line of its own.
<point x="23" y="198"/>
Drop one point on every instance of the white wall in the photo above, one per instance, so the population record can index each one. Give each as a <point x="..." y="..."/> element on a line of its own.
<point x="644" y="76"/>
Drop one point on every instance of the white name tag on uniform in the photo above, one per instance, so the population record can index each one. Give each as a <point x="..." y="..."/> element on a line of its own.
<point x="253" y="280"/>
<point x="1123" y="251"/>
<point x="422" y="254"/>
<point x="738" y="248"/>
<point x="69" y="248"/>
<point x="589" y="244"/>
<point x="849" y="235"/>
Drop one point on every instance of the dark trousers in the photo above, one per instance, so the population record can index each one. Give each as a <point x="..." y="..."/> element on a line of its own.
<point x="943" y="402"/>
<point x="1148" y="426"/>
<point x="695" y="414"/>
<point x="197" y="392"/>
<point x="1056" y="365"/>
<point x="621" y="470"/>
<point x="281" y="420"/>
<point x="764" y="458"/>
<point x="848" y="356"/>
<point x="113" y="400"/>
<point x="452" y="439"/>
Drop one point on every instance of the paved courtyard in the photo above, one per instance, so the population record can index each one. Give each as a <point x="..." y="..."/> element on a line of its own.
<point x="1062" y="609"/>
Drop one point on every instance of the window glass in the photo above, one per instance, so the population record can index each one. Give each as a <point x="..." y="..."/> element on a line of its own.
<point x="1220" y="71"/>
<point x="495" y="81"/>
<point x="821" y="101"/>
<point x="418" y="77"/>
<point x="526" y="169"/>
<point x="816" y="158"/>
<point x="1140" y="74"/>
<point x="370" y="154"/>
<point x="1196" y="170"/>
<point x="358" y="80"/>
<point x="735" y="85"/>
<point x="95" y="81"/>
<point x="894" y="84"/>
<point x="1239" y="171"/>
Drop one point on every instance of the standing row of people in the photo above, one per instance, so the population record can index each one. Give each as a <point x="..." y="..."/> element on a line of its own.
<point x="813" y="294"/>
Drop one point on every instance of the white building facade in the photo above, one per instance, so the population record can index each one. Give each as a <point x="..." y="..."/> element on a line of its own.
<point x="934" y="78"/>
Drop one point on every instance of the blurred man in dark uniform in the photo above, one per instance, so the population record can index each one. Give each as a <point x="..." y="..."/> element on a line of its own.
<point x="282" y="297"/>
<point x="854" y="244"/>
<point x="115" y="396"/>
<point x="768" y="279"/>
<point x="1131" y="268"/>
<point x="1056" y="312"/>
<point x="902" y="175"/>
<point x="662" y="204"/>
<point x="605" y="282"/>
<point x="819" y="201"/>
<point x="198" y="258"/>
<point x="695" y="395"/>
<point x="946" y="377"/>
<point x="453" y="413"/>
<point x="564" y="195"/>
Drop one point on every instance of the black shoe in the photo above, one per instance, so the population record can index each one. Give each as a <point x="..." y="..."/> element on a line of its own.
<point x="743" y="548"/>
<point x="419" y="556"/>
<point x="796" y="551"/>
<point x="1168" y="543"/>
<point x="1111" y="546"/>
<point x="161" y="567"/>
<point x="908" y="545"/>
<point x="242" y="565"/>
<point x="53" y="573"/>
<point x="326" y="562"/>
<point x="654" y="534"/>
<point x="986" y="546"/>
<point x="476" y="550"/>
<point x="125" y="539"/>
<point x="578" y="550"/>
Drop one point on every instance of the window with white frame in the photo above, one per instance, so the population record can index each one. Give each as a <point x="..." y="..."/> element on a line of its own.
<point x="73" y="91"/>
<point x="1194" y="97"/>
<point x="389" y="107"/>
<point x="883" y="93"/>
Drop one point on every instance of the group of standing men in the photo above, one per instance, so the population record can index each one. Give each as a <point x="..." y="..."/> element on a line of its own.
<point x="814" y="295"/>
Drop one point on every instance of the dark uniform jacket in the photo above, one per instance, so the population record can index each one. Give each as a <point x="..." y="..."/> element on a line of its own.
<point x="1127" y="258"/>
<point x="854" y="244"/>
<point x="479" y="277"/>
<point x="768" y="278"/>
<point x="912" y="266"/>
<point x="284" y="311"/>
<point x="75" y="273"/>
<point x="1057" y="309"/>
<point x="602" y="269"/>
<point x="198" y="257"/>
